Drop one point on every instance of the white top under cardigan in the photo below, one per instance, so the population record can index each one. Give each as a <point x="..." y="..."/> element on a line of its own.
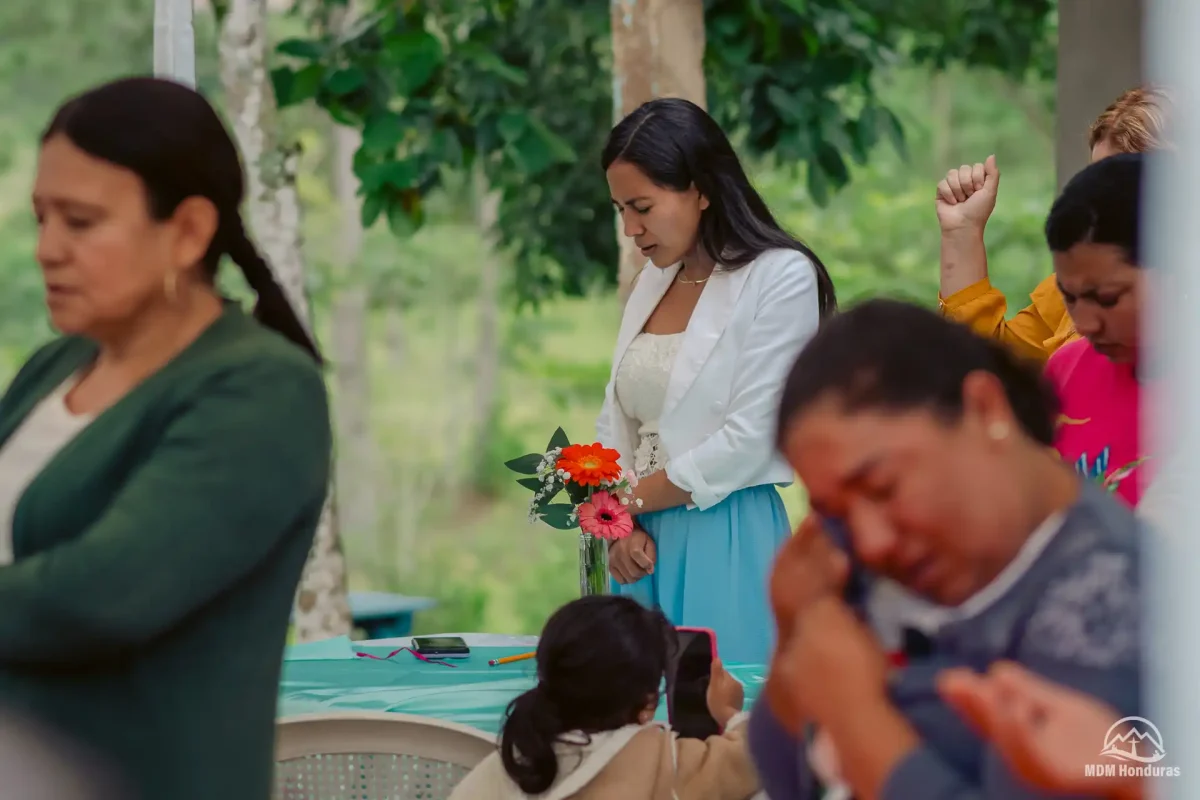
<point x="643" y="377"/>
<point x="717" y="426"/>
<point x="47" y="429"/>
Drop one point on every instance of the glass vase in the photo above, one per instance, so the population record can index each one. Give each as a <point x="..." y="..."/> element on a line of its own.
<point x="593" y="565"/>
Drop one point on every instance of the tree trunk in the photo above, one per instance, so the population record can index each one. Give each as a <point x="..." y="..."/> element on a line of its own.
<point x="358" y="514"/>
<point x="487" y="351"/>
<point x="321" y="607"/>
<point x="658" y="51"/>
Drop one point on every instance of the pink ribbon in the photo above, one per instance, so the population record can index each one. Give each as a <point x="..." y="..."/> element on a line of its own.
<point x="415" y="654"/>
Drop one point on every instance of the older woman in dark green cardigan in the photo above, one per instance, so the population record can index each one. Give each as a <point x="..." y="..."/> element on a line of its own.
<point x="163" y="465"/>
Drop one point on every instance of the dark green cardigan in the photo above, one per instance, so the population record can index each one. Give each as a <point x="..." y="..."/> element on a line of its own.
<point x="157" y="556"/>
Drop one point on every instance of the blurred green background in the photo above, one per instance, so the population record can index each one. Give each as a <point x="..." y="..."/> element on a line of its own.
<point x="436" y="513"/>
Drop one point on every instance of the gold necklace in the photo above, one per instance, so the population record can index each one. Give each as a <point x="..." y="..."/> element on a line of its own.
<point x="682" y="279"/>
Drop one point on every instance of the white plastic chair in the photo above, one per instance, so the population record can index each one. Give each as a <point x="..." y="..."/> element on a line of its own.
<point x="373" y="756"/>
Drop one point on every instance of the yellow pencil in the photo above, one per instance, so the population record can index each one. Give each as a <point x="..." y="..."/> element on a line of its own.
<point x="495" y="662"/>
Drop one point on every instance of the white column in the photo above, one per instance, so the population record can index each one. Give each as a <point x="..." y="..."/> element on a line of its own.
<point x="1099" y="57"/>
<point x="174" y="41"/>
<point x="1171" y="239"/>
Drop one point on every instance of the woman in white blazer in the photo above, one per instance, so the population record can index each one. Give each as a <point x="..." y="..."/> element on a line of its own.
<point x="709" y="333"/>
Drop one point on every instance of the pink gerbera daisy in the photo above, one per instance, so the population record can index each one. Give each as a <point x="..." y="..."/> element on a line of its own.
<point x="605" y="517"/>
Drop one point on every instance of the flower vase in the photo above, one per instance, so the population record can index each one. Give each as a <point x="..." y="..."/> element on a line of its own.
<point x="593" y="565"/>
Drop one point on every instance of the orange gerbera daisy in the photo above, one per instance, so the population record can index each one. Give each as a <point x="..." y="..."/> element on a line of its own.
<point x="589" y="464"/>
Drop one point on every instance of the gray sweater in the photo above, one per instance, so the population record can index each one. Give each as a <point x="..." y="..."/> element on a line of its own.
<point x="1073" y="616"/>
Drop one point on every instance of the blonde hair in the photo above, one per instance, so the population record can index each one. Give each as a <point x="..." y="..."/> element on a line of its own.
<point x="1134" y="122"/>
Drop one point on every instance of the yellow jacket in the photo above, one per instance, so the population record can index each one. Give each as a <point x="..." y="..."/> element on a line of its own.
<point x="1035" y="332"/>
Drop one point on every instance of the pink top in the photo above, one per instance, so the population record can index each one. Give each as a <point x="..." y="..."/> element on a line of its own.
<point x="1098" y="428"/>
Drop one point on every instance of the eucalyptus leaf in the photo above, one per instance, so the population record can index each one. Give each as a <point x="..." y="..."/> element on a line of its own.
<point x="577" y="493"/>
<point x="558" y="515"/>
<point x="525" y="465"/>
<point x="559" y="439"/>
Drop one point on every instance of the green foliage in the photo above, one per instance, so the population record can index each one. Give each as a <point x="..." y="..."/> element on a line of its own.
<point x="879" y="236"/>
<point x="517" y="83"/>
<point x="796" y="77"/>
<point x="560" y="516"/>
<point x="435" y="86"/>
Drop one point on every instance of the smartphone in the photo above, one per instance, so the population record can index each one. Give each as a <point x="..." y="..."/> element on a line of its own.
<point x="441" y="646"/>
<point x="858" y="582"/>
<point x="687" y="684"/>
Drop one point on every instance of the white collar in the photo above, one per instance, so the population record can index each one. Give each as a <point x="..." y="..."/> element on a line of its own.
<point x="934" y="617"/>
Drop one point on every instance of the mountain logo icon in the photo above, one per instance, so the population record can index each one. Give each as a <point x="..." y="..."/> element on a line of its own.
<point x="1134" y="739"/>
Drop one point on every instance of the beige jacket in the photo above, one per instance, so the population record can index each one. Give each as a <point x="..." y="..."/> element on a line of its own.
<point x="637" y="762"/>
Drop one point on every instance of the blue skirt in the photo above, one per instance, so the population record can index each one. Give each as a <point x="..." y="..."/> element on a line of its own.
<point x="713" y="567"/>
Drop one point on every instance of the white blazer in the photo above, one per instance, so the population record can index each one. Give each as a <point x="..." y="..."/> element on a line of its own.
<point x="717" y="427"/>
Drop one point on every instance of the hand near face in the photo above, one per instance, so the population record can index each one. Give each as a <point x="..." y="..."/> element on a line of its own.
<point x="830" y="664"/>
<point x="1045" y="732"/>
<point x="808" y="567"/>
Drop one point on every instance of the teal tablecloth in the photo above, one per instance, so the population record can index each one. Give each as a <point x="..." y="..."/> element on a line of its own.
<point x="329" y="676"/>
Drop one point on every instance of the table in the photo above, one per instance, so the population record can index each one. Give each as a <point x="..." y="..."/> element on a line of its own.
<point x="328" y="676"/>
<point x="384" y="615"/>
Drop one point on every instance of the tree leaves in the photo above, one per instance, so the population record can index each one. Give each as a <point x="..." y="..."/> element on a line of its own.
<point x="295" y="86"/>
<point x="305" y="49"/>
<point x="382" y="132"/>
<point x="794" y="77"/>
<point x="345" y="81"/>
<point x="531" y="145"/>
<point x="416" y="57"/>
<point x="523" y="85"/>
<point x="433" y="86"/>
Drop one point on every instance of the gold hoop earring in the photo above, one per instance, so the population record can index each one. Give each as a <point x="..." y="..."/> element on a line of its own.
<point x="998" y="431"/>
<point x="171" y="286"/>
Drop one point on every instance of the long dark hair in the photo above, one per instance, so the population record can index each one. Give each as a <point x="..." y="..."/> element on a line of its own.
<point x="173" y="140"/>
<point x="893" y="356"/>
<point x="676" y="144"/>
<point x="600" y="663"/>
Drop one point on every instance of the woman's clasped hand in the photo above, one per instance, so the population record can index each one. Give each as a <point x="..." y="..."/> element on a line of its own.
<point x="632" y="558"/>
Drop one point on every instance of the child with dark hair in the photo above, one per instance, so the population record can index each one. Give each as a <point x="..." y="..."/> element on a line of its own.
<point x="587" y="730"/>
<point x="929" y="445"/>
<point x="1092" y="231"/>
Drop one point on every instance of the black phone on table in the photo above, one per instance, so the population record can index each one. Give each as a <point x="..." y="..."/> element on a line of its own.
<point x="441" y="647"/>
<point x="688" y="676"/>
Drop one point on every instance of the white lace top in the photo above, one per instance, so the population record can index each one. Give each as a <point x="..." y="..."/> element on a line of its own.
<point x="641" y="388"/>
